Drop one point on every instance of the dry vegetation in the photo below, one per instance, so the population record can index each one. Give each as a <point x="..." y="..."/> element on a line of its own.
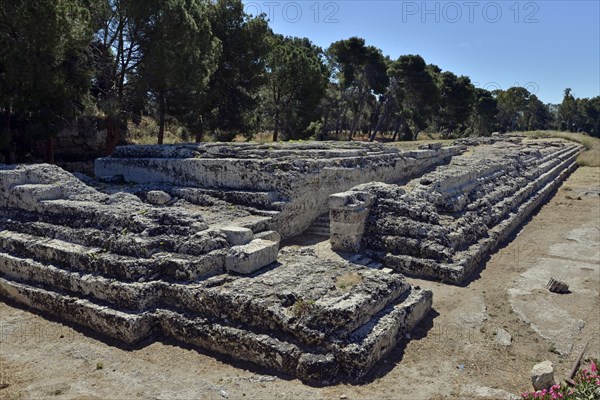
<point x="347" y="281"/>
<point x="590" y="157"/>
<point x="146" y="132"/>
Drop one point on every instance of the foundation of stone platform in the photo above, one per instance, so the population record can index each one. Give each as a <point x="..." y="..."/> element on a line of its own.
<point x="184" y="241"/>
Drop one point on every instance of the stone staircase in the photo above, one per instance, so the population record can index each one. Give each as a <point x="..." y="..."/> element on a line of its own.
<point x="319" y="227"/>
<point x="363" y="259"/>
<point x="447" y="221"/>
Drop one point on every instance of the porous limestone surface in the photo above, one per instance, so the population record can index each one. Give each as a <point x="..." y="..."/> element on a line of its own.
<point x="250" y="257"/>
<point x="184" y="241"/>
<point x="295" y="177"/>
<point x="111" y="261"/>
<point x="442" y="224"/>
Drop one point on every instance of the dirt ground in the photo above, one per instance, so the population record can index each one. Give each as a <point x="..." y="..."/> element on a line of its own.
<point x="456" y="353"/>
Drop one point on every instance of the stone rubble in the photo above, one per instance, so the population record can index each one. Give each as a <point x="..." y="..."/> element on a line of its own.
<point x="542" y="375"/>
<point x="158" y="197"/>
<point x="502" y="337"/>
<point x="557" y="286"/>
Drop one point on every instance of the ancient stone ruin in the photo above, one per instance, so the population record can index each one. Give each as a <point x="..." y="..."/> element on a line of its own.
<point x="443" y="223"/>
<point x="189" y="241"/>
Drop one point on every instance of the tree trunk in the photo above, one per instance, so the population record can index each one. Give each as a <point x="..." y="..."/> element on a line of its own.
<point x="362" y="94"/>
<point x="383" y="116"/>
<point x="356" y="119"/>
<point x="111" y="133"/>
<point x="50" y="150"/>
<point x="161" y="119"/>
<point x="8" y="154"/>
<point x="395" y="128"/>
<point x="276" y="127"/>
<point x="339" y="123"/>
<point x="324" y="133"/>
<point x="375" y="118"/>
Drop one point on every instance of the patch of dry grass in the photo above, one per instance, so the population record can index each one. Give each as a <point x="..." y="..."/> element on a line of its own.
<point x="261" y="137"/>
<point x="146" y="132"/>
<point x="348" y="281"/>
<point x="411" y="145"/>
<point x="589" y="157"/>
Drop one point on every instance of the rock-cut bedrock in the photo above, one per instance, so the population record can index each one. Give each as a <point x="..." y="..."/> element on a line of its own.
<point x="190" y="241"/>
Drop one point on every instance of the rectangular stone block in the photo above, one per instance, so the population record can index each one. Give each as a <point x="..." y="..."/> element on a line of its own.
<point x="237" y="235"/>
<point x="251" y="257"/>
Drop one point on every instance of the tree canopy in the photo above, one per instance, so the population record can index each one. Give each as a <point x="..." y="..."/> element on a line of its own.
<point x="296" y="78"/>
<point x="218" y="73"/>
<point x="44" y="70"/>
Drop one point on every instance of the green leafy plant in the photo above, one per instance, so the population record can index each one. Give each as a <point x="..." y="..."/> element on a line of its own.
<point x="302" y="307"/>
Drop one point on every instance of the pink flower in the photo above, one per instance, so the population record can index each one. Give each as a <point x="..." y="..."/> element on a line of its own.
<point x="594" y="367"/>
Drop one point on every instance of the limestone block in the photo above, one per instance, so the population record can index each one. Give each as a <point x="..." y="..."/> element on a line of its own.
<point x="350" y="200"/>
<point x="542" y="375"/>
<point x="348" y="222"/>
<point x="269" y="235"/>
<point x="28" y="196"/>
<point x="315" y="367"/>
<point x="237" y="235"/>
<point x="251" y="257"/>
<point x="348" y="214"/>
<point x="158" y="197"/>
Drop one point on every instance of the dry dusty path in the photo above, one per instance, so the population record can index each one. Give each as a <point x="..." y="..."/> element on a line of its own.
<point x="455" y="354"/>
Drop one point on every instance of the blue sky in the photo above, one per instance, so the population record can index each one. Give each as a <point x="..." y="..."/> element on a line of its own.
<point x="545" y="46"/>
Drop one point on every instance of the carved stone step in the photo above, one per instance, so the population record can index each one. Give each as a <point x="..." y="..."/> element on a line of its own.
<point x="162" y="265"/>
<point x="351" y="357"/>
